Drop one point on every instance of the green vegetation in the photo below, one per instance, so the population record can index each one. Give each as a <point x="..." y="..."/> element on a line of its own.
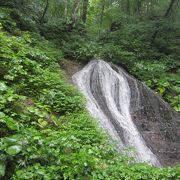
<point x="45" y="131"/>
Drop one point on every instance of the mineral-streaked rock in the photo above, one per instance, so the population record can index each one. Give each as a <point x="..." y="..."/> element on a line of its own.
<point x="133" y="114"/>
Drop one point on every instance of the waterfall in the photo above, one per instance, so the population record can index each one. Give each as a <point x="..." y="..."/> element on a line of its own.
<point x="109" y="95"/>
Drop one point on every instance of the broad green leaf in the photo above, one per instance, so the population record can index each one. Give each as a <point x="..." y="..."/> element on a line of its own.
<point x="11" y="124"/>
<point x="8" y="77"/>
<point x="2" y="169"/>
<point x="10" y="99"/>
<point x="11" y="140"/>
<point x="37" y="137"/>
<point x="2" y="115"/>
<point x="161" y="90"/>
<point x="13" y="150"/>
<point x="42" y="123"/>
<point x="3" y="87"/>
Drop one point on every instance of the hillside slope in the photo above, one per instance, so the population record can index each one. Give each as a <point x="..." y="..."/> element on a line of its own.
<point x="45" y="131"/>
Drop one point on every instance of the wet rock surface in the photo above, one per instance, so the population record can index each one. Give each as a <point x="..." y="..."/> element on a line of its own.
<point x="132" y="113"/>
<point x="158" y="123"/>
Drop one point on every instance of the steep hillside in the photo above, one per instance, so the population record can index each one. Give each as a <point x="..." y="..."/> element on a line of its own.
<point x="45" y="130"/>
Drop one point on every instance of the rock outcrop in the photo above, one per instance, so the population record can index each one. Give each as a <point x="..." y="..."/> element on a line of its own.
<point x="132" y="113"/>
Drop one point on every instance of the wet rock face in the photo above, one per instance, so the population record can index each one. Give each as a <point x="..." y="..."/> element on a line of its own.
<point x="157" y="122"/>
<point x="133" y="114"/>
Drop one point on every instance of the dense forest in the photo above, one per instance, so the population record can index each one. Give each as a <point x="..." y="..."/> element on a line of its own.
<point x="45" y="129"/>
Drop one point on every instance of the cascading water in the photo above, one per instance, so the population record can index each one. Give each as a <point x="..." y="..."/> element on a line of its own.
<point x="109" y="99"/>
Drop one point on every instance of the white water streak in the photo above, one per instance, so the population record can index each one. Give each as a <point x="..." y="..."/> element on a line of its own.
<point x="114" y="86"/>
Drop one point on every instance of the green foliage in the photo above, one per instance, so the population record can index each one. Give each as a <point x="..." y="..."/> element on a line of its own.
<point x="6" y="20"/>
<point x="81" y="49"/>
<point x="45" y="132"/>
<point x="31" y="87"/>
<point x="27" y="67"/>
<point x="159" y="76"/>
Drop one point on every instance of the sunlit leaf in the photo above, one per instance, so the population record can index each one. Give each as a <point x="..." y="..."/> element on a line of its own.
<point x="2" y="169"/>
<point x="13" y="150"/>
<point x="3" y="87"/>
<point x="11" y="124"/>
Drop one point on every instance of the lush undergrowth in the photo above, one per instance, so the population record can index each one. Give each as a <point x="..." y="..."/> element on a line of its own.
<point x="45" y="132"/>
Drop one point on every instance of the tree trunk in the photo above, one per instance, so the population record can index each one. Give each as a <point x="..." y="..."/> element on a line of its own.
<point x="65" y="11"/>
<point x="101" y="16"/>
<point x="76" y="8"/>
<point x="44" y="12"/>
<point x="85" y="9"/>
<point x="166" y="15"/>
<point x="102" y="13"/>
<point x="74" y="15"/>
<point x="169" y="8"/>
<point x="128" y="7"/>
<point x="138" y="7"/>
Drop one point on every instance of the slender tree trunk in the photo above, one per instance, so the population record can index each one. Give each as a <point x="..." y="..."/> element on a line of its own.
<point x="169" y="8"/>
<point x="65" y="11"/>
<point x="123" y="4"/>
<point x="76" y="8"/>
<point x="74" y="15"/>
<point x="138" y="8"/>
<point x="101" y="16"/>
<point x="128" y="7"/>
<point x="148" y="7"/>
<point x="44" y="12"/>
<point x="102" y="13"/>
<point x="166" y="15"/>
<point x="85" y="9"/>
